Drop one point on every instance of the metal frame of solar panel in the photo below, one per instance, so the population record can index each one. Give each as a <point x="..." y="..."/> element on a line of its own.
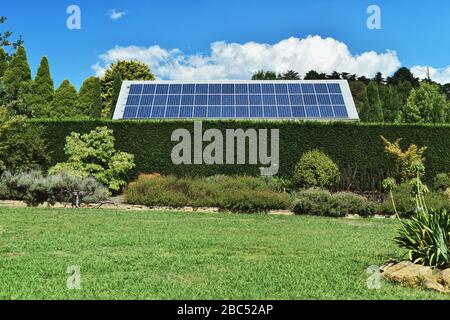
<point x="325" y="100"/>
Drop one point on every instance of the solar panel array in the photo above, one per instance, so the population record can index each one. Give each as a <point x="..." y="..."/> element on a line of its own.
<point x="273" y="100"/>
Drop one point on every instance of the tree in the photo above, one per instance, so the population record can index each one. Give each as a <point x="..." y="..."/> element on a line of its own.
<point x="390" y="102"/>
<point x="372" y="110"/>
<point x="94" y="154"/>
<point x="290" y="75"/>
<point x="130" y="70"/>
<point x="42" y="91"/>
<point x="117" y="85"/>
<point x="90" y="98"/>
<point x="16" y="76"/>
<point x="3" y="62"/>
<point x="5" y="37"/>
<point x="265" y="75"/>
<point x="426" y="104"/>
<point x="64" y="104"/>
<point x="403" y="74"/>
<point x="314" y="75"/>
<point x="378" y="78"/>
<point x="359" y="94"/>
<point x="334" y="76"/>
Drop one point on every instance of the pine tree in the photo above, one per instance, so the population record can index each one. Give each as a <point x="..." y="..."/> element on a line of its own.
<point x="390" y="102"/>
<point x="90" y="99"/>
<point x="375" y="111"/>
<point x="3" y="62"/>
<point x="64" y="105"/>
<point x="43" y="91"/>
<point x="117" y="86"/>
<point x="16" y="76"/>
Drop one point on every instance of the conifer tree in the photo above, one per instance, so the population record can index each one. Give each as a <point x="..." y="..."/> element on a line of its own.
<point x="42" y="91"/>
<point x="375" y="111"/>
<point x="117" y="85"/>
<point x="64" y="105"/>
<point x="90" y="99"/>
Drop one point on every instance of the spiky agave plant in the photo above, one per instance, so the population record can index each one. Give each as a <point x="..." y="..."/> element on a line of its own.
<point x="426" y="236"/>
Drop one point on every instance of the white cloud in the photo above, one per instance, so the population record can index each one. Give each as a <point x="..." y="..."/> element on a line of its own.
<point x="115" y="15"/>
<point x="440" y="75"/>
<point x="240" y="61"/>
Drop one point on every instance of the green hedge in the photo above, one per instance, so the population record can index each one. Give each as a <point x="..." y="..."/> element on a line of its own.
<point x="355" y="147"/>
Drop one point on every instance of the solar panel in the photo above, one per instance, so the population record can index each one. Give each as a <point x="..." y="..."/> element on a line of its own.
<point x="309" y="100"/>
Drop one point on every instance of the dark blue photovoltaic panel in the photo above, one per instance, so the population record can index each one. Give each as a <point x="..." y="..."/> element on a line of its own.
<point x="228" y="89"/>
<point x="242" y="112"/>
<point x="334" y="88"/>
<point x="215" y="89"/>
<point x="241" y="88"/>
<point x="298" y="112"/>
<point x="256" y="112"/>
<point x="175" y="89"/>
<point x="200" y="112"/>
<point x="201" y="89"/>
<point x="255" y="100"/>
<point x="130" y="112"/>
<point x="136" y="89"/>
<point x="337" y="99"/>
<point x="228" y="100"/>
<point x="162" y="89"/>
<point x="214" y="112"/>
<point x="268" y="88"/>
<point x="188" y="88"/>
<point x="281" y="88"/>
<point x="158" y="112"/>
<point x="186" y="112"/>
<point x="326" y="111"/>
<point x="133" y="100"/>
<point x="266" y="99"/>
<point x="187" y="100"/>
<point x="340" y="111"/>
<point x="312" y="111"/>
<point x="284" y="112"/>
<point x="269" y="100"/>
<point x="228" y="112"/>
<point x="254" y="88"/>
<point x="144" y="112"/>
<point x="321" y="88"/>
<point x="172" y="112"/>
<point x="215" y="100"/>
<point x="294" y="88"/>
<point x="270" y="111"/>
<point x="149" y="89"/>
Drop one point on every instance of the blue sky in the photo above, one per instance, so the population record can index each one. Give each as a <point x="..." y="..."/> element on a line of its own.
<point x="230" y="39"/>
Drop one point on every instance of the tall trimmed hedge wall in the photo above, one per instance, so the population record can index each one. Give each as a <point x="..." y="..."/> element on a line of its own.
<point x="357" y="148"/>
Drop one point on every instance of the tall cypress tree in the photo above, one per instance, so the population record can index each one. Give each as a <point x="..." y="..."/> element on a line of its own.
<point x="117" y="85"/>
<point x="64" y="105"/>
<point x="16" y="77"/>
<point x="42" y="91"/>
<point x="90" y="98"/>
<point x="375" y="110"/>
<point x="3" y="62"/>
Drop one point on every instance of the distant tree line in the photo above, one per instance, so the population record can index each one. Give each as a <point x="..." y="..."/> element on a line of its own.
<point x="401" y="98"/>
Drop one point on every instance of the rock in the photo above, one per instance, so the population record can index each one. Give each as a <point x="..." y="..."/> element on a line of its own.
<point x="445" y="278"/>
<point x="413" y="275"/>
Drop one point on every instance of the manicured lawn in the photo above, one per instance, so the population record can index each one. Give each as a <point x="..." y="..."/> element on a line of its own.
<point x="161" y="255"/>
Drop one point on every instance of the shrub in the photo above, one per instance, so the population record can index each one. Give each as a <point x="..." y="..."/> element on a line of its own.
<point x="242" y="194"/>
<point x="22" y="147"/>
<point x="427" y="238"/>
<point x="94" y="154"/>
<point x="315" y="170"/>
<point x="34" y="188"/>
<point x="403" y="160"/>
<point x="405" y="203"/>
<point x="277" y="184"/>
<point x="314" y="202"/>
<point x="441" y="182"/>
<point x="346" y="203"/>
<point x="322" y="203"/>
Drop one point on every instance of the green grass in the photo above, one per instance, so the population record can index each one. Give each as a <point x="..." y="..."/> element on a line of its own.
<point x="162" y="255"/>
